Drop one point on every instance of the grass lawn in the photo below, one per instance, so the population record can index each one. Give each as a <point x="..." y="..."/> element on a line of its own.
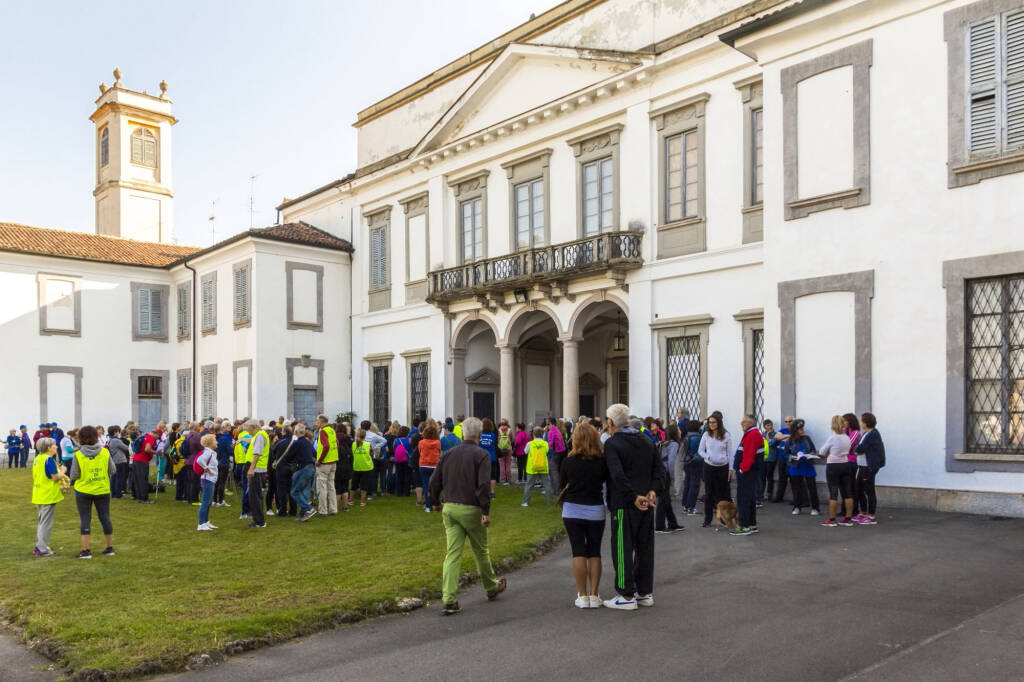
<point x="172" y="592"/>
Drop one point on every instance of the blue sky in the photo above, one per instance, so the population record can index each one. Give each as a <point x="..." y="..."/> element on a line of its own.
<point x="261" y="88"/>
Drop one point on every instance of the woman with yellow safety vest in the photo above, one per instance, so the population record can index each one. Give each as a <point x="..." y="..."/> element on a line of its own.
<point x="91" y="471"/>
<point x="362" y="467"/>
<point x="46" y="493"/>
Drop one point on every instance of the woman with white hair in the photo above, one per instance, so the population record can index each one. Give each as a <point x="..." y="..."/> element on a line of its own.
<point x="46" y="493"/>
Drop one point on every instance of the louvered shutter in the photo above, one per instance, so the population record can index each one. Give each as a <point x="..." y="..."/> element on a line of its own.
<point x="183" y="296"/>
<point x="1014" y="81"/>
<point x="982" y="130"/>
<point x="156" y="312"/>
<point x="241" y="302"/>
<point x="378" y="258"/>
<point x="208" y="302"/>
<point x="144" y="312"/>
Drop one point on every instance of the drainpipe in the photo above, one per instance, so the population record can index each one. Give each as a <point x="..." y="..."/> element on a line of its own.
<point x="351" y="303"/>
<point x="195" y="336"/>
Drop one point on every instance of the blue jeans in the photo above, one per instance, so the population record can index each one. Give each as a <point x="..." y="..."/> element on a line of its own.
<point x="301" y="482"/>
<point x="425" y="474"/>
<point x="204" y="504"/>
<point x="24" y="458"/>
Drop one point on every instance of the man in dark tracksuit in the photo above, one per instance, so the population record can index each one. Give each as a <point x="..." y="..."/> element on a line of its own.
<point x="283" y="475"/>
<point x="636" y="478"/>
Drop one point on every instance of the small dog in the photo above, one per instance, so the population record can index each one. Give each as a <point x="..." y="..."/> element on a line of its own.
<point x="726" y="514"/>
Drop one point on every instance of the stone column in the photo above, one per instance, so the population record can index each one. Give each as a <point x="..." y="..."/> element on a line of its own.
<point x="570" y="378"/>
<point x="507" y="409"/>
<point x="458" y="382"/>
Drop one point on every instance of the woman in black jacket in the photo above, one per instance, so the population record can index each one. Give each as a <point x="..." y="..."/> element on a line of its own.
<point x="343" y="472"/>
<point x="583" y="473"/>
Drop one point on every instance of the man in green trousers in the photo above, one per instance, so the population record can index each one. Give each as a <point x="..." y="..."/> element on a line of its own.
<point x="462" y="482"/>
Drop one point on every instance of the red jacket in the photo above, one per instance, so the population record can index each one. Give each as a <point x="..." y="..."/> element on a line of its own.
<point x="752" y="441"/>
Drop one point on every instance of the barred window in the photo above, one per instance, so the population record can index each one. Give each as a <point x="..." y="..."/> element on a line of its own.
<point x="757" y="375"/>
<point x="682" y="375"/>
<point x="381" y="394"/>
<point x="995" y="365"/>
<point x="419" y="391"/>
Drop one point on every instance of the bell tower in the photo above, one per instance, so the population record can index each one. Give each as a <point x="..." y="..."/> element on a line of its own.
<point x="133" y="163"/>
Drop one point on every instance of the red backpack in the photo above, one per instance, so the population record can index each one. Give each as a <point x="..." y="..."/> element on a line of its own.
<point x="197" y="468"/>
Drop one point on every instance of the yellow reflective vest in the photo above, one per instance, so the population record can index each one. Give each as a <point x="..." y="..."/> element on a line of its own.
<point x="93" y="476"/>
<point x="261" y="462"/>
<point x="45" y="490"/>
<point x="332" y="441"/>
<point x="242" y="448"/>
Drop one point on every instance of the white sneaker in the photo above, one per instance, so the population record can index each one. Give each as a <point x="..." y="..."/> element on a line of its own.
<point x="645" y="600"/>
<point x="205" y="526"/>
<point x="582" y="602"/>
<point x="224" y="504"/>
<point x="621" y="603"/>
<point x="595" y="601"/>
<point x="270" y="512"/>
<point x="814" y="512"/>
<point x="211" y="526"/>
<point x="525" y="504"/>
<point x="796" y="510"/>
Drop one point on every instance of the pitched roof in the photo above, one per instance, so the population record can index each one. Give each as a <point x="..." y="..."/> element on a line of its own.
<point x="44" y="241"/>
<point x="85" y="246"/>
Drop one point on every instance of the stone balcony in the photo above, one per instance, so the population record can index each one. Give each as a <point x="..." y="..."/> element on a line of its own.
<point x="611" y="254"/>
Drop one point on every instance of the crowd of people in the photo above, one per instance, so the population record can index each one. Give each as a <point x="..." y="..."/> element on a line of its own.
<point x="624" y="468"/>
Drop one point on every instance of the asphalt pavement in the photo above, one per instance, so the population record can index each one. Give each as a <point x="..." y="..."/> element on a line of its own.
<point x="922" y="595"/>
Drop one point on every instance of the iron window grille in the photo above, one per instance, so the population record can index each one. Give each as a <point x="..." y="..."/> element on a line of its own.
<point x="381" y="387"/>
<point x="995" y="365"/>
<point x="682" y="375"/>
<point x="418" y="388"/>
<point x="150" y="387"/>
<point x="757" y="376"/>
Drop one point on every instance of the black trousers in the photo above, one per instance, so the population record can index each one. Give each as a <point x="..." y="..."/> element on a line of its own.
<point x="195" y="488"/>
<point x="181" y="484"/>
<point x="121" y="481"/>
<point x="664" y="515"/>
<point x="864" y="500"/>
<point x="223" y="474"/>
<point x="285" y="503"/>
<point x="691" y="483"/>
<point x="782" y="467"/>
<point x="716" y="489"/>
<point x="746" y="496"/>
<point x="85" y="503"/>
<point x="140" y="478"/>
<point x="403" y="475"/>
<point x="633" y="551"/>
<point x="805" y="491"/>
<point x="256" y="499"/>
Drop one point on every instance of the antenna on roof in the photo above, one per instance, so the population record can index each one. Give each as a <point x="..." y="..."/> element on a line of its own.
<point x="213" y="222"/>
<point x="252" y="199"/>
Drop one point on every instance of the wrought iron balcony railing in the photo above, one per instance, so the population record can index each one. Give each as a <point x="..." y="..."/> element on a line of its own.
<point x="615" y="251"/>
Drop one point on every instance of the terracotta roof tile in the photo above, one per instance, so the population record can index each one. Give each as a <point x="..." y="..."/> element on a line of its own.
<point x="84" y="246"/>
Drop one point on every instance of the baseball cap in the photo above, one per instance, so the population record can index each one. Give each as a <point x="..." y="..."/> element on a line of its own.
<point x="43" y="426"/>
<point x="22" y="426"/>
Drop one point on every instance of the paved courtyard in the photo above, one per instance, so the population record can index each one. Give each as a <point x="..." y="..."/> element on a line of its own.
<point x="920" y="596"/>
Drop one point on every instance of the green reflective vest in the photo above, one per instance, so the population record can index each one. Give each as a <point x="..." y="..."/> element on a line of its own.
<point x="332" y="443"/>
<point x="93" y="477"/>
<point x="261" y="462"/>
<point x="45" y="490"/>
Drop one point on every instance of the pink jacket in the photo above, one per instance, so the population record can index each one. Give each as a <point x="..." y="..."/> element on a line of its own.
<point x="519" y="448"/>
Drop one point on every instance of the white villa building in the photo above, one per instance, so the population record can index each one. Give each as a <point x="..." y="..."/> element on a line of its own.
<point x="803" y="207"/>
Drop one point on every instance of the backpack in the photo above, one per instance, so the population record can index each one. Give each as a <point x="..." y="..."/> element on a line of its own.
<point x="139" y="444"/>
<point x="504" y="442"/>
<point x="175" y="452"/>
<point x="401" y="451"/>
<point x="197" y="468"/>
<point x="694" y="447"/>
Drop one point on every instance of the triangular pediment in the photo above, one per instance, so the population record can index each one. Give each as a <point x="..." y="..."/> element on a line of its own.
<point x="484" y="375"/>
<point x="523" y="78"/>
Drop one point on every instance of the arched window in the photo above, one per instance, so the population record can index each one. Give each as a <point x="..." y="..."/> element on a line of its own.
<point x="144" y="147"/>
<point x="105" y="147"/>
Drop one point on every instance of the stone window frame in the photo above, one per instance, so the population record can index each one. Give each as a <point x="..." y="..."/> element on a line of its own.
<point x="235" y="366"/>
<point x="752" y="96"/>
<point x="862" y="285"/>
<point x="468" y="188"/>
<point x="528" y="169"/>
<point x="750" y="320"/>
<point x="165" y="379"/>
<point x="379" y="297"/>
<point x="418" y="355"/>
<point x="185" y="285"/>
<point x="673" y="327"/>
<point x="858" y="56"/>
<point x="674" y="119"/>
<point x="955" y="274"/>
<point x="961" y="168"/>
<point x="212" y="328"/>
<point x="76" y="300"/>
<point x="165" y="295"/>
<point x="189" y="403"/>
<point x="380" y="360"/>
<point x="240" y="321"/>
<point x="289" y="367"/>
<point x="203" y="370"/>
<point x="594" y="146"/>
<point x="289" y="268"/>
<point x="44" y="372"/>
<point x="412" y="207"/>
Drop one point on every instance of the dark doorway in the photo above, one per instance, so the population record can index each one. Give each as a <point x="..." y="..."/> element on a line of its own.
<point x="483" y="405"/>
<point x="586" y="406"/>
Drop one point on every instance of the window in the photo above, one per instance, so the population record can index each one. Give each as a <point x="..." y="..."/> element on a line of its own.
<point x="144" y="147"/>
<point x="598" y="194"/>
<point x="472" y="230"/>
<point x="417" y="246"/>
<point x="208" y="376"/>
<point x="682" y="375"/>
<point x="757" y="157"/>
<point x="757" y="375"/>
<point x="241" y="308"/>
<point x="305" y="295"/>
<point x="419" y="390"/>
<point x="378" y="258"/>
<point x="60" y="305"/>
<point x="680" y="129"/>
<point x="105" y="147"/>
<point x="184" y="306"/>
<point x="381" y="393"/>
<point x="995" y="365"/>
<point x="150" y="387"/>
<point x="305" y="387"/>
<point x="184" y="394"/>
<point x="622" y="378"/>
<point x="208" y="302"/>
<point x="529" y="214"/>
<point x="150" y="312"/>
<point x="149" y="397"/>
<point x="379" y="265"/>
<point x="681" y="176"/>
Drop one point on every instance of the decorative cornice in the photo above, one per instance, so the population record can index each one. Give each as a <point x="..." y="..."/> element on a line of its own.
<point x="685" y="321"/>
<point x="748" y="314"/>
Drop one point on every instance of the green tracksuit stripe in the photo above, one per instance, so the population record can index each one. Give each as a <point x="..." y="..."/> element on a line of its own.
<point x="621" y="568"/>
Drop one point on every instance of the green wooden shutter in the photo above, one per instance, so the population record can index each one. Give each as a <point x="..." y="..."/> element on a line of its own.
<point x="982" y="58"/>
